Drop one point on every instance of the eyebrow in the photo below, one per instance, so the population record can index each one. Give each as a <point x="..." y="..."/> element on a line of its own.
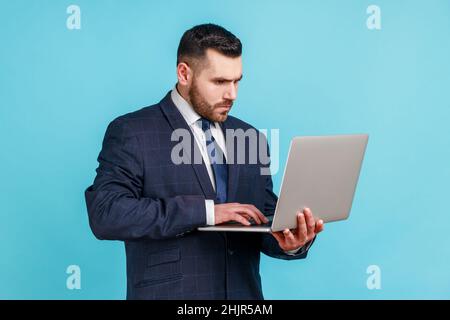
<point x="228" y="80"/>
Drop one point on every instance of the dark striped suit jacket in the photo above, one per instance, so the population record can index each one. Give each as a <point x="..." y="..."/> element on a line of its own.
<point x="141" y="197"/>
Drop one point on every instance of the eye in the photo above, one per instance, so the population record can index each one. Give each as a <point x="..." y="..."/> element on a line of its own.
<point x="219" y="82"/>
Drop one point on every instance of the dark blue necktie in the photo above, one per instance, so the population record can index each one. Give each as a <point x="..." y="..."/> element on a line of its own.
<point x="218" y="162"/>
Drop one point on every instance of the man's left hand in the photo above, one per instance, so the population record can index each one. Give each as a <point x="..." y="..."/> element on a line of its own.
<point x="307" y="229"/>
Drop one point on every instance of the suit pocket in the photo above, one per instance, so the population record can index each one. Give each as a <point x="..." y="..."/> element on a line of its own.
<point x="162" y="266"/>
<point x="152" y="282"/>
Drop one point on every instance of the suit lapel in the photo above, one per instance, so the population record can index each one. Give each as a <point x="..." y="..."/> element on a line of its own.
<point x="177" y="121"/>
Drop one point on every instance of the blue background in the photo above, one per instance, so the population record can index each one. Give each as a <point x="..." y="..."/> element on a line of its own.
<point x="310" y="68"/>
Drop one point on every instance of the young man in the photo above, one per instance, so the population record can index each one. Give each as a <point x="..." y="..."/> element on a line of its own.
<point x="155" y="204"/>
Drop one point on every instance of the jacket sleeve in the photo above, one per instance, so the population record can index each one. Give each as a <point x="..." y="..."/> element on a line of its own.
<point x="269" y="245"/>
<point x="116" y="208"/>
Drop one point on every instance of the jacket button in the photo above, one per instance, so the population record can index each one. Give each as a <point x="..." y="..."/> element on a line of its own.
<point x="230" y="252"/>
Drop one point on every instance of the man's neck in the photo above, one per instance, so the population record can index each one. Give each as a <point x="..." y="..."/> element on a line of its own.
<point x="183" y="93"/>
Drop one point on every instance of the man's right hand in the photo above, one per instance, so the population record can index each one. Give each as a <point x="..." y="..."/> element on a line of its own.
<point x="238" y="212"/>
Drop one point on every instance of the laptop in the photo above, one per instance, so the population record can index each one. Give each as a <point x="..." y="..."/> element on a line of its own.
<point x="321" y="173"/>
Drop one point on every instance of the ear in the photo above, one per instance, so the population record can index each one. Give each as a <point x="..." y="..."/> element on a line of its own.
<point x="184" y="74"/>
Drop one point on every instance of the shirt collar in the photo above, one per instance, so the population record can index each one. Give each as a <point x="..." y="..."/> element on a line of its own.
<point x="186" y="110"/>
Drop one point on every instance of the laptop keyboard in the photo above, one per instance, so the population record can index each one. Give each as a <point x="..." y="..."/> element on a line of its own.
<point x="253" y="223"/>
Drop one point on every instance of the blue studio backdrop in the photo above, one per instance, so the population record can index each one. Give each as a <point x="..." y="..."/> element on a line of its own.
<point x="310" y="68"/>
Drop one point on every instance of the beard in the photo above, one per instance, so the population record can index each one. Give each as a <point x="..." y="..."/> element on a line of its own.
<point x="206" y="110"/>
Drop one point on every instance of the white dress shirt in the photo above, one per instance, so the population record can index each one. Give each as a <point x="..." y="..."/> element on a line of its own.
<point x="192" y="118"/>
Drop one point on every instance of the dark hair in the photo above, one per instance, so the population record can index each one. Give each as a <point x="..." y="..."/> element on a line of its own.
<point x="197" y="40"/>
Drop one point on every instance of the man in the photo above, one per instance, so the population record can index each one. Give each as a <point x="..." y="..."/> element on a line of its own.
<point x="155" y="204"/>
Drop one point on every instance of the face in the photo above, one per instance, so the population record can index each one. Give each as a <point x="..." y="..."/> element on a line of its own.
<point x="214" y="85"/>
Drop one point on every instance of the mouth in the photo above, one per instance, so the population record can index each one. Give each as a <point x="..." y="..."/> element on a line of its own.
<point x="225" y="106"/>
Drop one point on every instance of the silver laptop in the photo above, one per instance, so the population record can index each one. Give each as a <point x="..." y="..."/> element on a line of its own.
<point x="321" y="173"/>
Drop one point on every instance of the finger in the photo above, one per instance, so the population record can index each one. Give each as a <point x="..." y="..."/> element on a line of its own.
<point x="259" y="213"/>
<point x="251" y="208"/>
<point x="239" y="218"/>
<point x="302" y="231"/>
<point x="289" y="236"/>
<point x="242" y="209"/>
<point x="278" y="236"/>
<point x="310" y="223"/>
<point x="319" y="226"/>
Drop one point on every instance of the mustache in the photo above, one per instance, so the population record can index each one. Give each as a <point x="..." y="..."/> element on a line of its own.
<point x="224" y="104"/>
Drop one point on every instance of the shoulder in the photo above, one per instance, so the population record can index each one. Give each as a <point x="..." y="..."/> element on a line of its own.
<point x="236" y="123"/>
<point x="139" y="121"/>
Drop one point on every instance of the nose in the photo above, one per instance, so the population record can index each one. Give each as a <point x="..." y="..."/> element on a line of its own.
<point x="231" y="92"/>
